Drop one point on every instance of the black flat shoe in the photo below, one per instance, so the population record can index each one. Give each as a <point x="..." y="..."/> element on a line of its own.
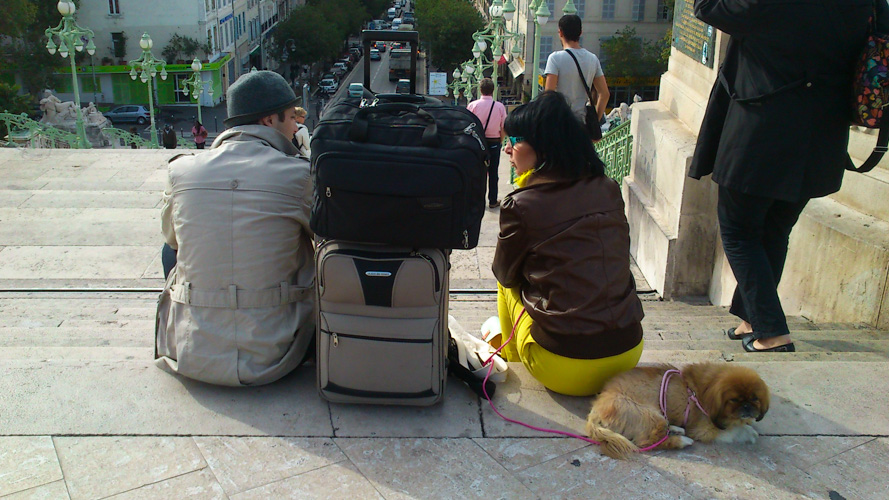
<point x="730" y="333"/>
<point x="747" y="342"/>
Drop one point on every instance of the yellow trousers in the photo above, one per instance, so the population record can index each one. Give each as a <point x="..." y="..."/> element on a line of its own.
<point x="570" y="376"/>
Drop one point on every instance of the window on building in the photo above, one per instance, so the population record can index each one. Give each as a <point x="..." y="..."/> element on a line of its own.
<point x="663" y="11"/>
<point x="118" y="44"/>
<point x="546" y="48"/>
<point x="551" y="5"/>
<point x="114" y="7"/>
<point x="580" y="5"/>
<point x="210" y="39"/>
<point x="607" y="9"/>
<point x="638" y="10"/>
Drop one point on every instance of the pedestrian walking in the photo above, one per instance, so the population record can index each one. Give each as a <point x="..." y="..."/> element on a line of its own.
<point x="169" y="137"/>
<point x="301" y="138"/>
<point x="571" y="71"/>
<point x="775" y="134"/>
<point x="492" y="114"/>
<point x="199" y="133"/>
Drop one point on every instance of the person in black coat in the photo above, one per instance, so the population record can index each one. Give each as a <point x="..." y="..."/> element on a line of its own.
<point x="775" y="134"/>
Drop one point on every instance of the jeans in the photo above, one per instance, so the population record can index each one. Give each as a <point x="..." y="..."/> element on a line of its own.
<point x="493" y="166"/>
<point x="755" y="232"/>
<point x="168" y="259"/>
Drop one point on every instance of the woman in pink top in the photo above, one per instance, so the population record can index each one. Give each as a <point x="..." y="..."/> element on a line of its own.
<point x="200" y="134"/>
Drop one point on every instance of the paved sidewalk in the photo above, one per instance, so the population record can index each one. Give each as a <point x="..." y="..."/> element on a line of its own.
<point x="85" y="414"/>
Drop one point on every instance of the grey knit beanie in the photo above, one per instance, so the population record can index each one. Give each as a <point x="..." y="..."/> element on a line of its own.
<point x="257" y="94"/>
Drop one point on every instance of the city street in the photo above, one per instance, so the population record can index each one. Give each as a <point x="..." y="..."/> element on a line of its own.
<point x="182" y="116"/>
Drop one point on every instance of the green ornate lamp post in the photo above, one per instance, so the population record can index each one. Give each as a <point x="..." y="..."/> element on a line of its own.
<point x="148" y="66"/>
<point x="71" y="38"/>
<point x="541" y="12"/>
<point x="194" y="85"/>
<point x="497" y="37"/>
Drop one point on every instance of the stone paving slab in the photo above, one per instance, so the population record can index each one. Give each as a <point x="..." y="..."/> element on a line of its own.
<point x="114" y="397"/>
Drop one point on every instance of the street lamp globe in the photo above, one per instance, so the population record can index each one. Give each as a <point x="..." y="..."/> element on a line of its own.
<point x="456" y="73"/>
<point x="475" y="52"/>
<point x="91" y="47"/>
<point x="78" y="44"/>
<point x="482" y="45"/>
<point x="65" y="8"/>
<point x="146" y="42"/>
<point x="63" y="49"/>
<point x="196" y="65"/>
<point x="50" y="47"/>
<point x="469" y="68"/>
<point x="496" y="9"/>
<point x="508" y="10"/>
<point x="542" y="14"/>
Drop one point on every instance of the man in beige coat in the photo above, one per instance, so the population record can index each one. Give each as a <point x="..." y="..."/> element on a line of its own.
<point x="237" y="306"/>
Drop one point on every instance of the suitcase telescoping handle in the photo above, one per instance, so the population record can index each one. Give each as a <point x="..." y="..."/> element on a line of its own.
<point x="360" y="123"/>
<point x="411" y="37"/>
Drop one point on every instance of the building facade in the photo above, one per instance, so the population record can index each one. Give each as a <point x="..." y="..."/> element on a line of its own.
<point x="232" y="35"/>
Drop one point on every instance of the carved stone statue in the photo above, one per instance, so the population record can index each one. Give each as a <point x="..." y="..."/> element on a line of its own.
<point x="92" y="116"/>
<point x="56" y="111"/>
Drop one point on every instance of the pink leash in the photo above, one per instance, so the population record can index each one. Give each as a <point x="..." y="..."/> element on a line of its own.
<point x="663" y="398"/>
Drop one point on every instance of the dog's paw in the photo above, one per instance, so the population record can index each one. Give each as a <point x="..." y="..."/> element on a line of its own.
<point x="676" y="430"/>
<point x="741" y="434"/>
<point x="685" y="441"/>
<point x="746" y="434"/>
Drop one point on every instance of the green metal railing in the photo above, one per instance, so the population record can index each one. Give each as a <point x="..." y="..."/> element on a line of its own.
<point x="616" y="149"/>
<point x="123" y="139"/>
<point x="22" y="130"/>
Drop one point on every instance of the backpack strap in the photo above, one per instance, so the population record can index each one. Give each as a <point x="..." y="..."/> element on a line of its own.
<point x="878" y="152"/>
<point x="588" y="88"/>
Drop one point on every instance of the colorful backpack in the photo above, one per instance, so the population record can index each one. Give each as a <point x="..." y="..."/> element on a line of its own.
<point x="870" y="91"/>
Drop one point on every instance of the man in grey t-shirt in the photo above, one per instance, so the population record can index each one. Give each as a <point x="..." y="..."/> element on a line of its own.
<point x="561" y="72"/>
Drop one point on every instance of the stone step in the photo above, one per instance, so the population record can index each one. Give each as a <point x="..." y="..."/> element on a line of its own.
<point x="866" y="193"/>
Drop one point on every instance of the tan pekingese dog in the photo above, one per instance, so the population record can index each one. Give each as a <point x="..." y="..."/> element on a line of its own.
<point x="626" y="415"/>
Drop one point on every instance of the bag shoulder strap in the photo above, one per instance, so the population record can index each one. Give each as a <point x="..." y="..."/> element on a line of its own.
<point x="493" y="103"/>
<point x="586" y="87"/>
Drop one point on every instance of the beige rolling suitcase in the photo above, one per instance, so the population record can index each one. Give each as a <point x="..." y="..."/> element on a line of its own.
<point x="381" y="316"/>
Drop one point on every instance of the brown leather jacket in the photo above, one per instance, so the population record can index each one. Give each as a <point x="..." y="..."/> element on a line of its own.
<point x="567" y="245"/>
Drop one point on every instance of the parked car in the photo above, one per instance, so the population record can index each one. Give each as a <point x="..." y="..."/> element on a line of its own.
<point x="129" y="113"/>
<point x="356" y="90"/>
<point x="331" y="76"/>
<point x="339" y="68"/>
<point x="403" y="86"/>
<point x="328" y="85"/>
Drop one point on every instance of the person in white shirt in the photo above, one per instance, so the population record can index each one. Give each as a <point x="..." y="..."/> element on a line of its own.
<point x="301" y="138"/>
<point x="563" y="77"/>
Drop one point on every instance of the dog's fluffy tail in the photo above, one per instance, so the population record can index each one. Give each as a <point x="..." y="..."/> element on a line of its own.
<point x="611" y="443"/>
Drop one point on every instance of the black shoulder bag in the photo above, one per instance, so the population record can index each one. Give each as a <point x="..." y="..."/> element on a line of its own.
<point x="592" y="116"/>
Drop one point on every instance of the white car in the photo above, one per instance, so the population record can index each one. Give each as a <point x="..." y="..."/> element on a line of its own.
<point x="328" y="85"/>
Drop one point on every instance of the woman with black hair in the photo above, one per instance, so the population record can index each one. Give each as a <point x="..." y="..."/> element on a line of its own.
<point x="563" y="256"/>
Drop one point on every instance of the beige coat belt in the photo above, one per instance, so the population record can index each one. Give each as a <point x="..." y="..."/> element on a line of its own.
<point x="234" y="298"/>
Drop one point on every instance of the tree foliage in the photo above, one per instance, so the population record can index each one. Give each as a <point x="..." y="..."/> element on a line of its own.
<point x="25" y="52"/>
<point x="307" y="36"/>
<point x="446" y="30"/>
<point x="180" y="46"/>
<point x="19" y="14"/>
<point x="630" y="56"/>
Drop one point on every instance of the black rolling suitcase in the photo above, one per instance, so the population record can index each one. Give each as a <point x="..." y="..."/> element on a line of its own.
<point x="399" y="169"/>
